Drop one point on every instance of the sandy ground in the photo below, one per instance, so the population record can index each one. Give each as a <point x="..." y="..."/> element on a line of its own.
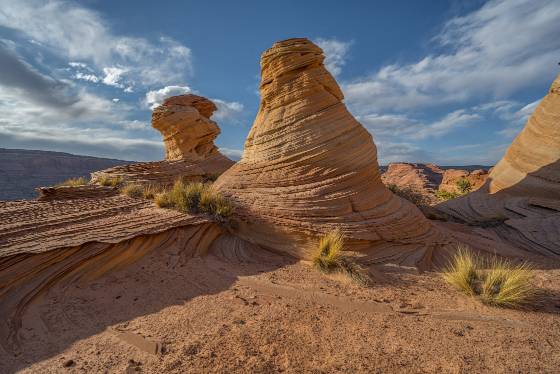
<point x="258" y="312"/>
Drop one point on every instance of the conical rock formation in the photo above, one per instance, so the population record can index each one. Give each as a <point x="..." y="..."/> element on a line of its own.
<point x="308" y="166"/>
<point x="521" y="198"/>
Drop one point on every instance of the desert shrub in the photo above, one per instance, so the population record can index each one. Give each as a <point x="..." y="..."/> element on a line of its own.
<point x="215" y="204"/>
<point x="464" y="185"/>
<point x="111" y="181"/>
<point x="328" y="258"/>
<point x="409" y="193"/>
<point x="446" y="195"/>
<point x="502" y="283"/>
<point x="73" y="182"/>
<point x="135" y="191"/>
<point x="196" y="198"/>
<point x="150" y="191"/>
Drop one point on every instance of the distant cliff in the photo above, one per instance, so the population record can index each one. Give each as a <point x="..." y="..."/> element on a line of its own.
<point x="21" y="171"/>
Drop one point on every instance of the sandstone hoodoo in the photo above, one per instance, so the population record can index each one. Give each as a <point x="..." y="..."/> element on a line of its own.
<point x="521" y="197"/>
<point x="188" y="132"/>
<point x="308" y="165"/>
<point x="188" y="135"/>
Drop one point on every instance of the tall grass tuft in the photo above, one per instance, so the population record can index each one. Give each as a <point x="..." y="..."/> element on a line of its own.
<point x="110" y="181"/>
<point x="501" y="284"/>
<point x="73" y="182"/>
<point x="135" y="191"/>
<point x="329" y="258"/>
<point x="462" y="271"/>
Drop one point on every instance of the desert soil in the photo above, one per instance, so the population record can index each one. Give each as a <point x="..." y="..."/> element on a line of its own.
<point x="260" y="312"/>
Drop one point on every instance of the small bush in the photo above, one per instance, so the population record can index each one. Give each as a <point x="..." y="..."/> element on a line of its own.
<point x="196" y="198"/>
<point x="501" y="284"/>
<point x="150" y="191"/>
<point x="446" y="195"/>
<point x="73" y="182"/>
<point x="464" y="185"/>
<point x="112" y="181"/>
<point x="135" y="191"/>
<point x="329" y="258"/>
<point x="409" y="193"/>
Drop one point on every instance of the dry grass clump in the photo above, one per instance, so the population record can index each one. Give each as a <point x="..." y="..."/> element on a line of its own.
<point x="409" y="193"/>
<point x="196" y="198"/>
<point x="110" y="181"/>
<point x="73" y="182"/>
<point x="135" y="191"/>
<point x="502" y="283"/>
<point x="329" y="258"/>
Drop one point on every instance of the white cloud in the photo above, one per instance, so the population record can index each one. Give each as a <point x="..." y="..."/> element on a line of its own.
<point x="155" y="98"/>
<point x="234" y="154"/>
<point x="113" y="76"/>
<point x="335" y="53"/>
<point x="491" y="53"/>
<point x="84" y="38"/>
<point x="390" y="126"/>
<point x="227" y="111"/>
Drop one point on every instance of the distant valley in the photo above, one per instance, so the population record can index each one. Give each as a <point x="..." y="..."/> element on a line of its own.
<point x="21" y="171"/>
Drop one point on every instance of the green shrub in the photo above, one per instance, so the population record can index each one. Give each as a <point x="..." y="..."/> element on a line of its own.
<point x="446" y="195"/>
<point x="501" y="284"/>
<point x="464" y="185"/>
<point x="73" y="182"/>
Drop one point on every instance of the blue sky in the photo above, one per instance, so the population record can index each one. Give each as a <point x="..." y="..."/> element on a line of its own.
<point x="449" y="82"/>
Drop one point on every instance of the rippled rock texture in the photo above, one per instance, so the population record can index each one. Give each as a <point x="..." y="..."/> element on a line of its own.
<point x="309" y="166"/>
<point x="522" y="195"/>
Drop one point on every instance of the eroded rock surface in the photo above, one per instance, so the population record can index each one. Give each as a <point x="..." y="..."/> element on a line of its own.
<point x="521" y="197"/>
<point x="190" y="153"/>
<point x="187" y="130"/>
<point x="308" y="166"/>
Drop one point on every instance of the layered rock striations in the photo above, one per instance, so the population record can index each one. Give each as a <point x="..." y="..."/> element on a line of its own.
<point x="188" y="135"/>
<point x="308" y="166"/>
<point x="187" y="130"/>
<point x="521" y="197"/>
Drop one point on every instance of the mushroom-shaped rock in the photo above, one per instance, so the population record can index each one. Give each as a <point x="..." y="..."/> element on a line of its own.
<point x="308" y="165"/>
<point x="190" y="153"/>
<point x="188" y="132"/>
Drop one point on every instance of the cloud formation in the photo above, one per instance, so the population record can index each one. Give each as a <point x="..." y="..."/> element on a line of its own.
<point x="82" y="36"/>
<point x="336" y="52"/>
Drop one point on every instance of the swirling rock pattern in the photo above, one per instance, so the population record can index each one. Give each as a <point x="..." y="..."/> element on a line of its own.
<point x="309" y="166"/>
<point x="521" y="197"/>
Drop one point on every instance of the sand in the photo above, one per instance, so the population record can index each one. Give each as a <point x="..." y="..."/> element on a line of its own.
<point x="247" y="310"/>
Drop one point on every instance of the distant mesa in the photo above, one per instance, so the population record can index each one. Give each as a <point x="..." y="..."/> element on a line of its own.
<point x="522" y="194"/>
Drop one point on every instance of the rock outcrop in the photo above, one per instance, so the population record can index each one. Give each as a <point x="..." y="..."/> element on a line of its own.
<point x="308" y="166"/>
<point x="187" y="130"/>
<point x="190" y="153"/>
<point x="521" y="198"/>
<point x="451" y="177"/>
